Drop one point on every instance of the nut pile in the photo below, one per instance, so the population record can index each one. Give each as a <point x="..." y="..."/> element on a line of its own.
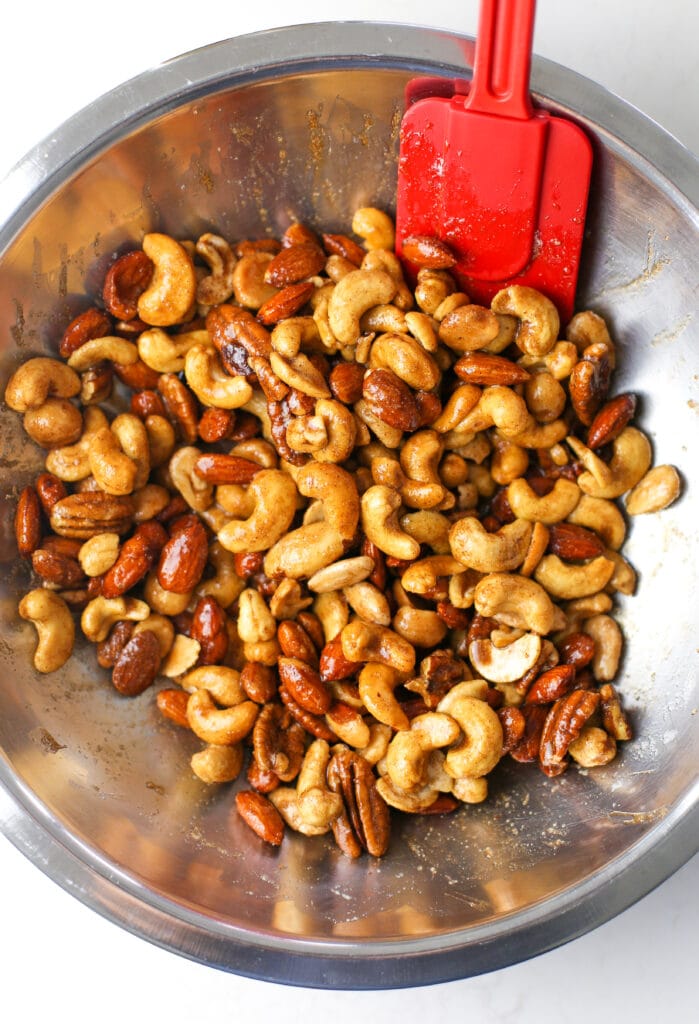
<point x="367" y="534"/>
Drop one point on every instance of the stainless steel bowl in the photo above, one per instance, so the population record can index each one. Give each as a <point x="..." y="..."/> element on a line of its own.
<point x="243" y="136"/>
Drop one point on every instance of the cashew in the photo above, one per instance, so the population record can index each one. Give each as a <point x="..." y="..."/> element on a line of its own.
<point x="99" y="553"/>
<point x="249" y="286"/>
<point x="256" y="624"/>
<point x="385" y="259"/>
<point x="593" y="747"/>
<point x="164" y="602"/>
<point x="300" y="373"/>
<point x="339" y="431"/>
<point x="486" y="552"/>
<point x="587" y="328"/>
<point x="341" y="574"/>
<point x="100" y="614"/>
<point x="105" y="349"/>
<point x="553" y="507"/>
<point x="183" y="654"/>
<point x="351" y="297"/>
<point x="317" y="804"/>
<point x="161" y="439"/>
<point x="364" y="641"/>
<point x="274" y="494"/>
<point x="407" y="359"/>
<point x="375" y="227"/>
<point x="654" y="492"/>
<point x="539" y="320"/>
<point x="285" y="799"/>
<point x="210" y="383"/>
<point x="603" y="517"/>
<point x="163" y="629"/>
<point x="609" y="642"/>
<point x="225" y="585"/>
<point x="422" y="576"/>
<point x="497" y="406"/>
<point x="481" y="747"/>
<point x="623" y="579"/>
<point x="113" y="471"/>
<point x="333" y="611"/>
<point x="54" y="626"/>
<point x="289" y="335"/>
<point x="348" y="725"/>
<point x="544" y="396"/>
<point x="222" y="726"/>
<point x="217" y="287"/>
<point x="505" y="664"/>
<point x="196" y="492"/>
<point x="172" y="290"/>
<point x="509" y="461"/>
<point x="311" y="547"/>
<point x="566" y="581"/>
<point x="429" y="527"/>
<point x="54" y="424"/>
<point x="515" y="601"/>
<point x="540" y="435"/>
<point x="422" y="627"/>
<point x="379" y="506"/>
<point x="409" y="750"/>
<point x="288" y="600"/>
<point x="222" y="683"/>
<point x="368" y="602"/>
<point x="470" y="791"/>
<point x="630" y="460"/>
<point x="166" y="353"/>
<point x="38" y="379"/>
<point x="376" y="688"/>
<point x="469" y="328"/>
<point x="216" y="764"/>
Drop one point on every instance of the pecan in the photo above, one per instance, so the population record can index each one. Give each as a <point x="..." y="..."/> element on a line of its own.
<point x="346" y="381"/>
<point x="137" y="557"/>
<point x="300" y="404"/>
<point x="551" y="685"/>
<point x="526" y="751"/>
<point x="305" y="685"/>
<point x="209" y="629"/>
<point x="260" y="815"/>
<point x="184" y="556"/>
<point x="452" y="617"/>
<point x="217" y="468"/>
<point x="563" y="724"/>
<point x="86" y="514"/>
<point x="481" y="628"/>
<point x="125" y="281"/>
<point x="273" y="388"/>
<point x="378" y="573"/>
<point x="96" y="384"/>
<point x="92" y="323"/>
<point x="216" y="425"/>
<point x="573" y="543"/>
<point x="279" y="417"/>
<point x="314" y="724"/>
<point x="589" y="382"/>
<point x="513" y="723"/>
<point x="248" y="563"/>
<point x="172" y="704"/>
<point x="137" y="664"/>
<point x="109" y="650"/>
<point x="28" y="521"/>
<point x="429" y="252"/>
<point x="614" y="718"/>
<point x="295" y="642"/>
<point x="334" y="666"/>
<point x="246" y="426"/>
<point x="228" y="324"/>
<point x="294" y="264"/>
<point x="391" y="399"/>
<point x="611" y="420"/>
<point x="278" y="742"/>
<point x="259" y="682"/>
<point x="263" y="782"/>
<point x="67" y="546"/>
<point x="342" y="245"/>
<point x="50" y="490"/>
<point x="181" y="405"/>
<point x="365" y="810"/>
<point x="147" y="403"/>
<point x="58" y="569"/>
<point x="577" y="649"/>
<point x="286" y="302"/>
<point x="485" y="369"/>
<point x="138" y="375"/>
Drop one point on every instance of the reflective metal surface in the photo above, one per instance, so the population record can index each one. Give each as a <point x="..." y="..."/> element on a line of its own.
<point x="242" y="137"/>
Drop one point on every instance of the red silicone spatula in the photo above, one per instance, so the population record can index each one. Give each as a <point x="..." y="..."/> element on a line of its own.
<point x="503" y="183"/>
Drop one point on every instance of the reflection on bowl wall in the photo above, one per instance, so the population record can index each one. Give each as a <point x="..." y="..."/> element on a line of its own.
<point x="243" y="137"/>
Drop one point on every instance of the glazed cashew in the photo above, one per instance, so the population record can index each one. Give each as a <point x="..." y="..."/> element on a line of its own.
<point x="501" y="551"/>
<point x="630" y="461"/>
<point x="100" y="614"/>
<point x="222" y="726"/>
<point x="553" y="507"/>
<point x="161" y="439"/>
<point x="567" y="581"/>
<point x="164" y="602"/>
<point x="540" y="435"/>
<point x="256" y="624"/>
<point x="377" y="683"/>
<point x="539" y="320"/>
<point x="407" y="359"/>
<point x="300" y="373"/>
<point x="289" y="335"/>
<point x="587" y="328"/>
<point x="313" y="546"/>
<point x="509" y="461"/>
<point x="428" y="526"/>
<point x="196" y="492"/>
<point x="172" y="290"/>
<point x="603" y="517"/>
<point x="409" y="750"/>
<point x="249" y="286"/>
<point x="222" y="683"/>
<point x="132" y="436"/>
<point x="99" y="553"/>
<point x="559" y="362"/>
<point x="384" y="259"/>
<point x="165" y="353"/>
<point x="113" y="471"/>
<point x="544" y="396"/>
<point x="340" y="574"/>
<point x="105" y="349"/>
<point x="216" y="764"/>
<point x="339" y="431"/>
<point x="422" y="328"/>
<point x="182" y="656"/>
<point x="593" y="747"/>
<point x="317" y="805"/>
<point x="364" y="641"/>
<point x="481" y="747"/>
<point x="497" y="406"/>
<point x="274" y="494"/>
<point x="38" y="379"/>
<point x="515" y="601"/>
<point x="423" y="494"/>
<point x="225" y="585"/>
<point x="380" y="505"/>
<point x="655" y="491"/>
<point x="217" y="287"/>
<point x="609" y="642"/>
<point x="375" y="227"/>
<point x="209" y="381"/>
<point x="469" y="328"/>
<point x="422" y="576"/>
<point x="163" y="629"/>
<point x="433" y="287"/>
<point x="333" y="611"/>
<point x="368" y="602"/>
<point x="458" y="406"/>
<point x="505" y="664"/>
<point x="351" y="297"/>
<point x="51" y="617"/>
<point x="421" y="627"/>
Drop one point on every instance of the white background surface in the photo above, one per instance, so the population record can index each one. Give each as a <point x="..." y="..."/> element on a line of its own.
<point x="61" y="961"/>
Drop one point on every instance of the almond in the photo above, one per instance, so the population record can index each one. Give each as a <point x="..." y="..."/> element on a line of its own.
<point x="429" y="252"/>
<point x="260" y="815"/>
<point x="296" y="643"/>
<point x="286" y="302"/>
<point x="137" y="664"/>
<point x="217" y="468"/>
<point x="136" y="558"/>
<point x="573" y="543"/>
<point x="551" y="685"/>
<point x="172" y="704"/>
<point x="294" y="264"/>
<point x="391" y="399"/>
<point x="485" y="369"/>
<point x="611" y="420"/>
<point x="183" y="558"/>
<point x="93" y="323"/>
<point x="341" y="245"/>
<point x="28" y="521"/>
<point x="346" y="381"/>
<point x="209" y="628"/>
<point x="305" y="685"/>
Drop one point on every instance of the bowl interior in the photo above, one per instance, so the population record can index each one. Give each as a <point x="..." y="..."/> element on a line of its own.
<point x="110" y="780"/>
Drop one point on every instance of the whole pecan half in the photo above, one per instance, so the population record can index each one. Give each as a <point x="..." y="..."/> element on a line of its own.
<point x="563" y="724"/>
<point x="366" y="821"/>
<point x="278" y="742"/>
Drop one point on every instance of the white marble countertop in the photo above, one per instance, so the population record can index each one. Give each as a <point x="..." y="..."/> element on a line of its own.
<point x="60" y="960"/>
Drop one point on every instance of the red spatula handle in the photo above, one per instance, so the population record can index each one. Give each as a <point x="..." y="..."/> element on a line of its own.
<point x="503" y="59"/>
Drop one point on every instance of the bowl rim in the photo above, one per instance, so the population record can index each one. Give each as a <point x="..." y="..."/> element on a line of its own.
<point x="79" y="868"/>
